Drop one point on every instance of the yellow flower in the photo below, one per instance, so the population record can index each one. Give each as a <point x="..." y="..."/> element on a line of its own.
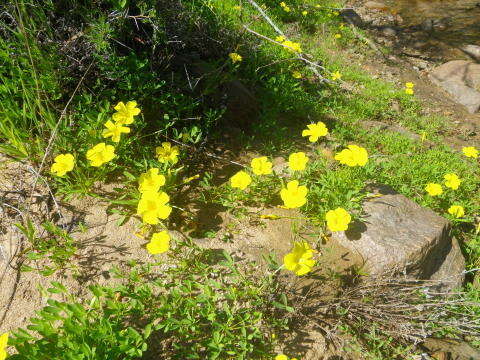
<point x="338" y="36"/>
<point x="286" y="8"/>
<point x="292" y="46"/>
<point x="470" y="151"/>
<point x="452" y="181"/>
<point x="159" y="243"/>
<point x="294" y="196"/>
<point x="336" y="13"/>
<point x="297" y="161"/>
<point x="315" y="131"/>
<point x="282" y="4"/>
<point x="409" y="85"/>
<point x="297" y="74"/>
<point x="151" y="181"/>
<point x="434" y="189"/>
<point x="261" y="166"/>
<point x="338" y="219"/>
<point x="336" y="76"/>
<point x="280" y="38"/>
<point x="300" y="262"/>
<point x="409" y="91"/>
<point x="353" y="156"/>
<point x="125" y="112"/>
<point x="191" y="178"/>
<point x="240" y="180"/>
<point x="100" y="154"/>
<point x="456" y="210"/>
<point x="63" y="164"/>
<point x="304" y="13"/>
<point x="114" y="130"/>
<point x="167" y="153"/>
<point x="270" y="217"/>
<point x="235" y="57"/>
<point x="153" y="206"/>
<point x="281" y="357"/>
<point x="3" y="346"/>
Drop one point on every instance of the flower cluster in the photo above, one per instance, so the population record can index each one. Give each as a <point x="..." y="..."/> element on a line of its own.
<point x="235" y="57"/>
<point x="294" y="195"/>
<point x="470" y="151"/>
<point x="409" y="88"/>
<point x="290" y="45"/>
<point x="285" y="7"/>
<point x="453" y="182"/>
<point x="101" y="153"/>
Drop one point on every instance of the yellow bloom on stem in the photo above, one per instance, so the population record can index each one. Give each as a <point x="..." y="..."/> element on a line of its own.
<point x="470" y="151"/>
<point x="125" y="112"/>
<point x="261" y="166"/>
<point x="159" y="243"/>
<point x="336" y="76"/>
<point x="63" y="164"/>
<point x="338" y="219"/>
<point x="240" y="180"/>
<point x="299" y="261"/>
<point x="352" y="156"/>
<point x="151" y="181"/>
<point x="114" y="130"/>
<point x="297" y="74"/>
<point x="297" y="161"/>
<point x="270" y="217"/>
<point x="409" y="91"/>
<point x="338" y="36"/>
<point x="100" y="154"/>
<point x="294" y="196"/>
<point x="153" y="206"/>
<point x="305" y="13"/>
<point x="235" y="57"/>
<point x="281" y="357"/>
<point x="280" y="38"/>
<point x="457" y="211"/>
<point x="409" y="85"/>
<point x="3" y="346"/>
<point x="292" y="46"/>
<point x="315" y="131"/>
<point x="434" y="189"/>
<point x="452" y="181"/>
<point x="167" y="153"/>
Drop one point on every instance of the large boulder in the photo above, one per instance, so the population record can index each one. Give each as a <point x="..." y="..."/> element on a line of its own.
<point x="461" y="79"/>
<point x="397" y="236"/>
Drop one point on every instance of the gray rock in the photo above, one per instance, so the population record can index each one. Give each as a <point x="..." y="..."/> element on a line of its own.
<point x="375" y="5"/>
<point x="397" y="236"/>
<point x="350" y="16"/>
<point x="473" y="51"/>
<point x="389" y="31"/>
<point x="461" y="79"/>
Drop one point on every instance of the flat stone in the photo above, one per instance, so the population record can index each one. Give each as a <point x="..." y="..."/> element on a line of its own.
<point x="375" y="5"/>
<point x="461" y="79"/>
<point x="473" y="51"/>
<point x="398" y="236"/>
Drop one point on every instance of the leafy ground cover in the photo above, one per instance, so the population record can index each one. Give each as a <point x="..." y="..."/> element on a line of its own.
<point x="129" y="96"/>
